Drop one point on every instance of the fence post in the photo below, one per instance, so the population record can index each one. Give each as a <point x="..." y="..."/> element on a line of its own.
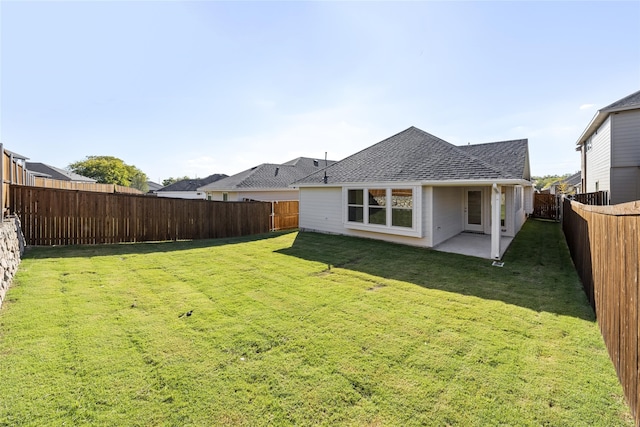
<point x="272" y="218"/>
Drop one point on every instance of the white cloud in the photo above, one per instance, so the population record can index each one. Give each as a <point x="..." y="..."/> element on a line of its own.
<point x="586" y="106"/>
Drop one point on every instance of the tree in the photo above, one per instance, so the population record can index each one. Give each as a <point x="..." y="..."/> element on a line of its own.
<point x="109" y="170"/>
<point x="545" y="181"/>
<point x="172" y="180"/>
<point x="139" y="181"/>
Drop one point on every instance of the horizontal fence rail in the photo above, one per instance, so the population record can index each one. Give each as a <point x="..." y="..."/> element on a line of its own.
<point x="66" y="217"/>
<point x="604" y="242"/>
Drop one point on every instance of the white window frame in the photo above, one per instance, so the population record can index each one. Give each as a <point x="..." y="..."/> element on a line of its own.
<point x="416" y="220"/>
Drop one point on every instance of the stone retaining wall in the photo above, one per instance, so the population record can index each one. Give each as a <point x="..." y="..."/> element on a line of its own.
<point x="11" y="249"/>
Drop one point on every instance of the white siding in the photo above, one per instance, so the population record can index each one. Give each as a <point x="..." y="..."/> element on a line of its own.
<point x="599" y="159"/>
<point x="528" y="200"/>
<point x="218" y="196"/>
<point x="182" y="194"/>
<point x="520" y="215"/>
<point x="625" y="184"/>
<point x="448" y="213"/>
<point x="264" y="196"/>
<point x="625" y="139"/>
<point x="321" y="210"/>
<point x="270" y="196"/>
<point x="509" y="207"/>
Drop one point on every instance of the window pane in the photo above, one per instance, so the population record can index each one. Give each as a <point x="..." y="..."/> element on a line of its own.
<point x="356" y="214"/>
<point x="402" y="198"/>
<point x="474" y="207"/>
<point x="356" y="197"/>
<point x="377" y="216"/>
<point x="378" y="197"/>
<point x="402" y="218"/>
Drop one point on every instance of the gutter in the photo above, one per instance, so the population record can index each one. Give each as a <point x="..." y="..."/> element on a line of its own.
<point x="435" y="183"/>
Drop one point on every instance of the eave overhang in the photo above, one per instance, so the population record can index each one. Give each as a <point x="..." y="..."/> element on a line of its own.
<point x="597" y="121"/>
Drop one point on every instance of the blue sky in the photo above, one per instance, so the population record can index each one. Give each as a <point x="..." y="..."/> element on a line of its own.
<point x="201" y="87"/>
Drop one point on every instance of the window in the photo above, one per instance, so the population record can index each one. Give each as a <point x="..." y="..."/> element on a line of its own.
<point x="383" y="209"/>
<point x="378" y="207"/>
<point x="356" y="206"/>
<point x="402" y="207"/>
<point x="225" y="197"/>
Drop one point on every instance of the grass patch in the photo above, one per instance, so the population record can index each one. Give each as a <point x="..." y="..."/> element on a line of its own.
<point x="303" y="329"/>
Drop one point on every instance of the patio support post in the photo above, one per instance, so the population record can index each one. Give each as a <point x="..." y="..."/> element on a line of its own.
<point x="496" y="191"/>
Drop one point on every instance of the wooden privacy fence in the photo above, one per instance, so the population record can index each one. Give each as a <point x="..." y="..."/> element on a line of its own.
<point x="83" y="186"/>
<point x="284" y="215"/>
<point x="65" y="217"/>
<point x="598" y="198"/>
<point x="605" y="246"/>
<point x="12" y="171"/>
<point x="546" y="206"/>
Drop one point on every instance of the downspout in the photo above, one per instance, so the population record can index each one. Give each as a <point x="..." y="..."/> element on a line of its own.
<point x="495" y="220"/>
<point x="583" y="176"/>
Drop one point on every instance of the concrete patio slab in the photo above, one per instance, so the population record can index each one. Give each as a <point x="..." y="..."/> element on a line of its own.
<point x="473" y="244"/>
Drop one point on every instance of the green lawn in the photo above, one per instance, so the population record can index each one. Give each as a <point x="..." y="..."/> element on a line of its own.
<point x="303" y="329"/>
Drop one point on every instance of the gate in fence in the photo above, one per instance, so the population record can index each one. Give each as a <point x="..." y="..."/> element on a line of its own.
<point x="284" y="215"/>
<point x="546" y="206"/>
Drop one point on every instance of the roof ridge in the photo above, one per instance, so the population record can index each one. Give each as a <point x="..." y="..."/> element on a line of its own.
<point x="426" y="137"/>
<point x="482" y="161"/>
<point x="371" y="146"/>
<point x="494" y="142"/>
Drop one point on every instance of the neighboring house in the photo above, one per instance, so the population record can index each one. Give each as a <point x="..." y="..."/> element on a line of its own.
<point x="43" y="170"/>
<point x="188" y="188"/>
<point x="417" y="189"/>
<point x="610" y="151"/>
<point x="153" y="186"/>
<point x="267" y="182"/>
<point x="569" y="185"/>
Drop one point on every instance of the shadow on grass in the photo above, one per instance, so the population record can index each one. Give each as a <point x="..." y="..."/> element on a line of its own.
<point x="83" y="251"/>
<point x="538" y="273"/>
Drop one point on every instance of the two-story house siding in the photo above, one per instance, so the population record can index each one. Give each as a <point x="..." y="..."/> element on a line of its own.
<point x="610" y="149"/>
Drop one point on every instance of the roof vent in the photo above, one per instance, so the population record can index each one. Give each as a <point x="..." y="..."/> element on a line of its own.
<point x="315" y="163"/>
<point x="277" y="169"/>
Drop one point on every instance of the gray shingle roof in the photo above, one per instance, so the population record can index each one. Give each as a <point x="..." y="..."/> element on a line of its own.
<point x="193" y="184"/>
<point x="153" y="186"/>
<point x="511" y="156"/>
<point x="53" y="172"/>
<point x="415" y="155"/>
<point x="629" y="101"/>
<point x="269" y="175"/>
<point x="574" y="179"/>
